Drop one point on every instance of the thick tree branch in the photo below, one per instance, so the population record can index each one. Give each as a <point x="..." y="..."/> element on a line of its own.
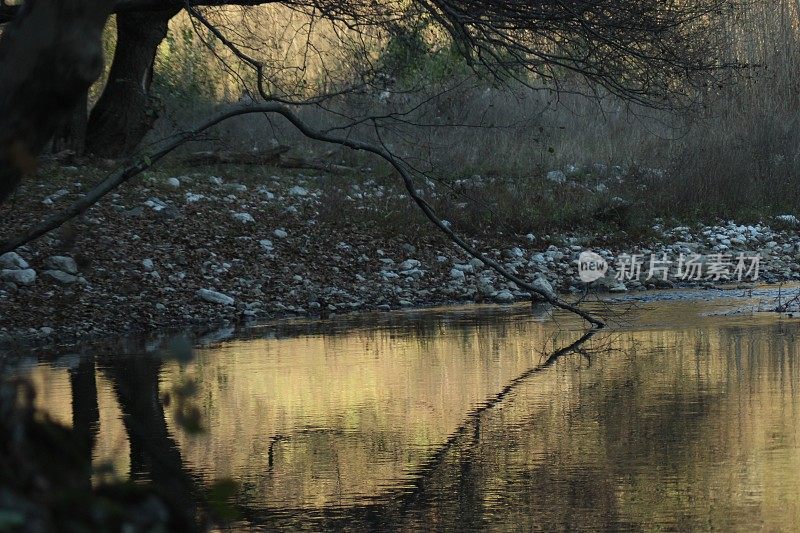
<point x="7" y="12"/>
<point x="49" y="57"/>
<point x="139" y="165"/>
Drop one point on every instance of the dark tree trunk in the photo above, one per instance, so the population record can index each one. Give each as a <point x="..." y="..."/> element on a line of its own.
<point x="126" y="111"/>
<point x="49" y="56"/>
<point x="72" y="133"/>
<point x="154" y="454"/>
<point x="85" y="409"/>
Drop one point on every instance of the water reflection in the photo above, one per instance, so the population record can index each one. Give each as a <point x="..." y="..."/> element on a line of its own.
<point x="464" y="420"/>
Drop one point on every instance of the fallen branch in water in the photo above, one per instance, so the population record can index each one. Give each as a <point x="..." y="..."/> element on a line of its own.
<point x="792" y="303"/>
<point x="144" y="162"/>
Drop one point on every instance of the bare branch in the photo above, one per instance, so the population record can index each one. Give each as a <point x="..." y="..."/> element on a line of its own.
<point x="139" y="165"/>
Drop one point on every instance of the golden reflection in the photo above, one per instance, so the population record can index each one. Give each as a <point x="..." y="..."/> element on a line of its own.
<point x="687" y="425"/>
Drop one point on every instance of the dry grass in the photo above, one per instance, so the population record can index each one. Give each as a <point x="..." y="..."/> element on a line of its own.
<point x="735" y="156"/>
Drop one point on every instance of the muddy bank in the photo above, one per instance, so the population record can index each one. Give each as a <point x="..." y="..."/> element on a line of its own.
<point x="209" y="249"/>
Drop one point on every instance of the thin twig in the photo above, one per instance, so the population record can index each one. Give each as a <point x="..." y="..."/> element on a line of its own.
<point x="146" y="161"/>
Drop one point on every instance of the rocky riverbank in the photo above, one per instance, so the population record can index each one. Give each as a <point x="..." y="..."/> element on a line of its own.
<point x="208" y="248"/>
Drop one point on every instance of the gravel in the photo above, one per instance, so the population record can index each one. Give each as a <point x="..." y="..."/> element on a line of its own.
<point x="213" y="269"/>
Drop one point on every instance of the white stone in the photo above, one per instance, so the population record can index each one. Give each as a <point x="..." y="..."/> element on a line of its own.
<point x="298" y="191"/>
<point x="280" y="233"/>
<point x="544" y="286"/>
<point x="457" y="274"/>
<point x="155" y="204"/>
<point x="12" y="260"/>
<point x="467" y="269"/>
<point x="60" y="276"/>
<point x="192" y="197"/>
<point x="175" y="183"/>
<point x="243" y="217"/>
<point x="19" y="276"/>
<point x="476" y="263"/>
<point x="485" y="286"/>
<point x="148" y="265"/>
<point x="63" y="263"/>
<point x="788" y="219"/>
<point x="55" y="196"/>
<point x="414" y="273"/>
<point x="215" y="297"/>
<point x="409" y="264"/>
<point x="266" y="193"/>
<point x="266" y="244"/>
<point x="556" y="176"/>
<point x="215" y="180"/>
<point x="504" y="297"/>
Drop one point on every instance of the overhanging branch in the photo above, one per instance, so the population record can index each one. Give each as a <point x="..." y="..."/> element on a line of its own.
<point x="8" y="12"/>
<point x="146" y="161"/>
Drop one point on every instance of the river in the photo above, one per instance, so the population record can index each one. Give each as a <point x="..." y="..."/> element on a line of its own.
<point x="675" y="418"/>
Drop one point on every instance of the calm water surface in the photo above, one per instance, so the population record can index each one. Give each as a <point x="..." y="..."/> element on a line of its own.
<point x="463" y="419"/>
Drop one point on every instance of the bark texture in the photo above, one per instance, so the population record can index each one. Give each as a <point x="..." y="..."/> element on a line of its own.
<point x="49" y="56"/>
<point x="126" y="110"/>
<point x="71" y="135"/>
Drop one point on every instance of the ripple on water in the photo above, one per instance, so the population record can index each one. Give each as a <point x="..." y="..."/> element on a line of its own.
<point x="459" y="419"/>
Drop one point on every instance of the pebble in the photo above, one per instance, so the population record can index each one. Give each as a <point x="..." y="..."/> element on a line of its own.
<point x="55" y="196"/>
<point x="63" y="263"/>
<point x="25" y="276"/>
<point x="215" y="297"/>
<point x="409" y="264"/>
<point x="356" y="273"/>
<point x="12" y="261"/>
<point x="504" y="297"/>
<point x="60" y="276"/>
<point x="243" y="217"/>
<point x="155" y="204"/>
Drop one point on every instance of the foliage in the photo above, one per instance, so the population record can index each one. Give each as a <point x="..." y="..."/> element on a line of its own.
<point x="184" y="74"/>
<point x="415" y="54"/>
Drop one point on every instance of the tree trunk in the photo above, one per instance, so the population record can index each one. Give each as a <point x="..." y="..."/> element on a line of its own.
<point x="85" y="409"/>
<point x="49" y="56"/>
<point x="71" y="135"/>
<point x="126" y="111"/>
<point x="154" y="454"/>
